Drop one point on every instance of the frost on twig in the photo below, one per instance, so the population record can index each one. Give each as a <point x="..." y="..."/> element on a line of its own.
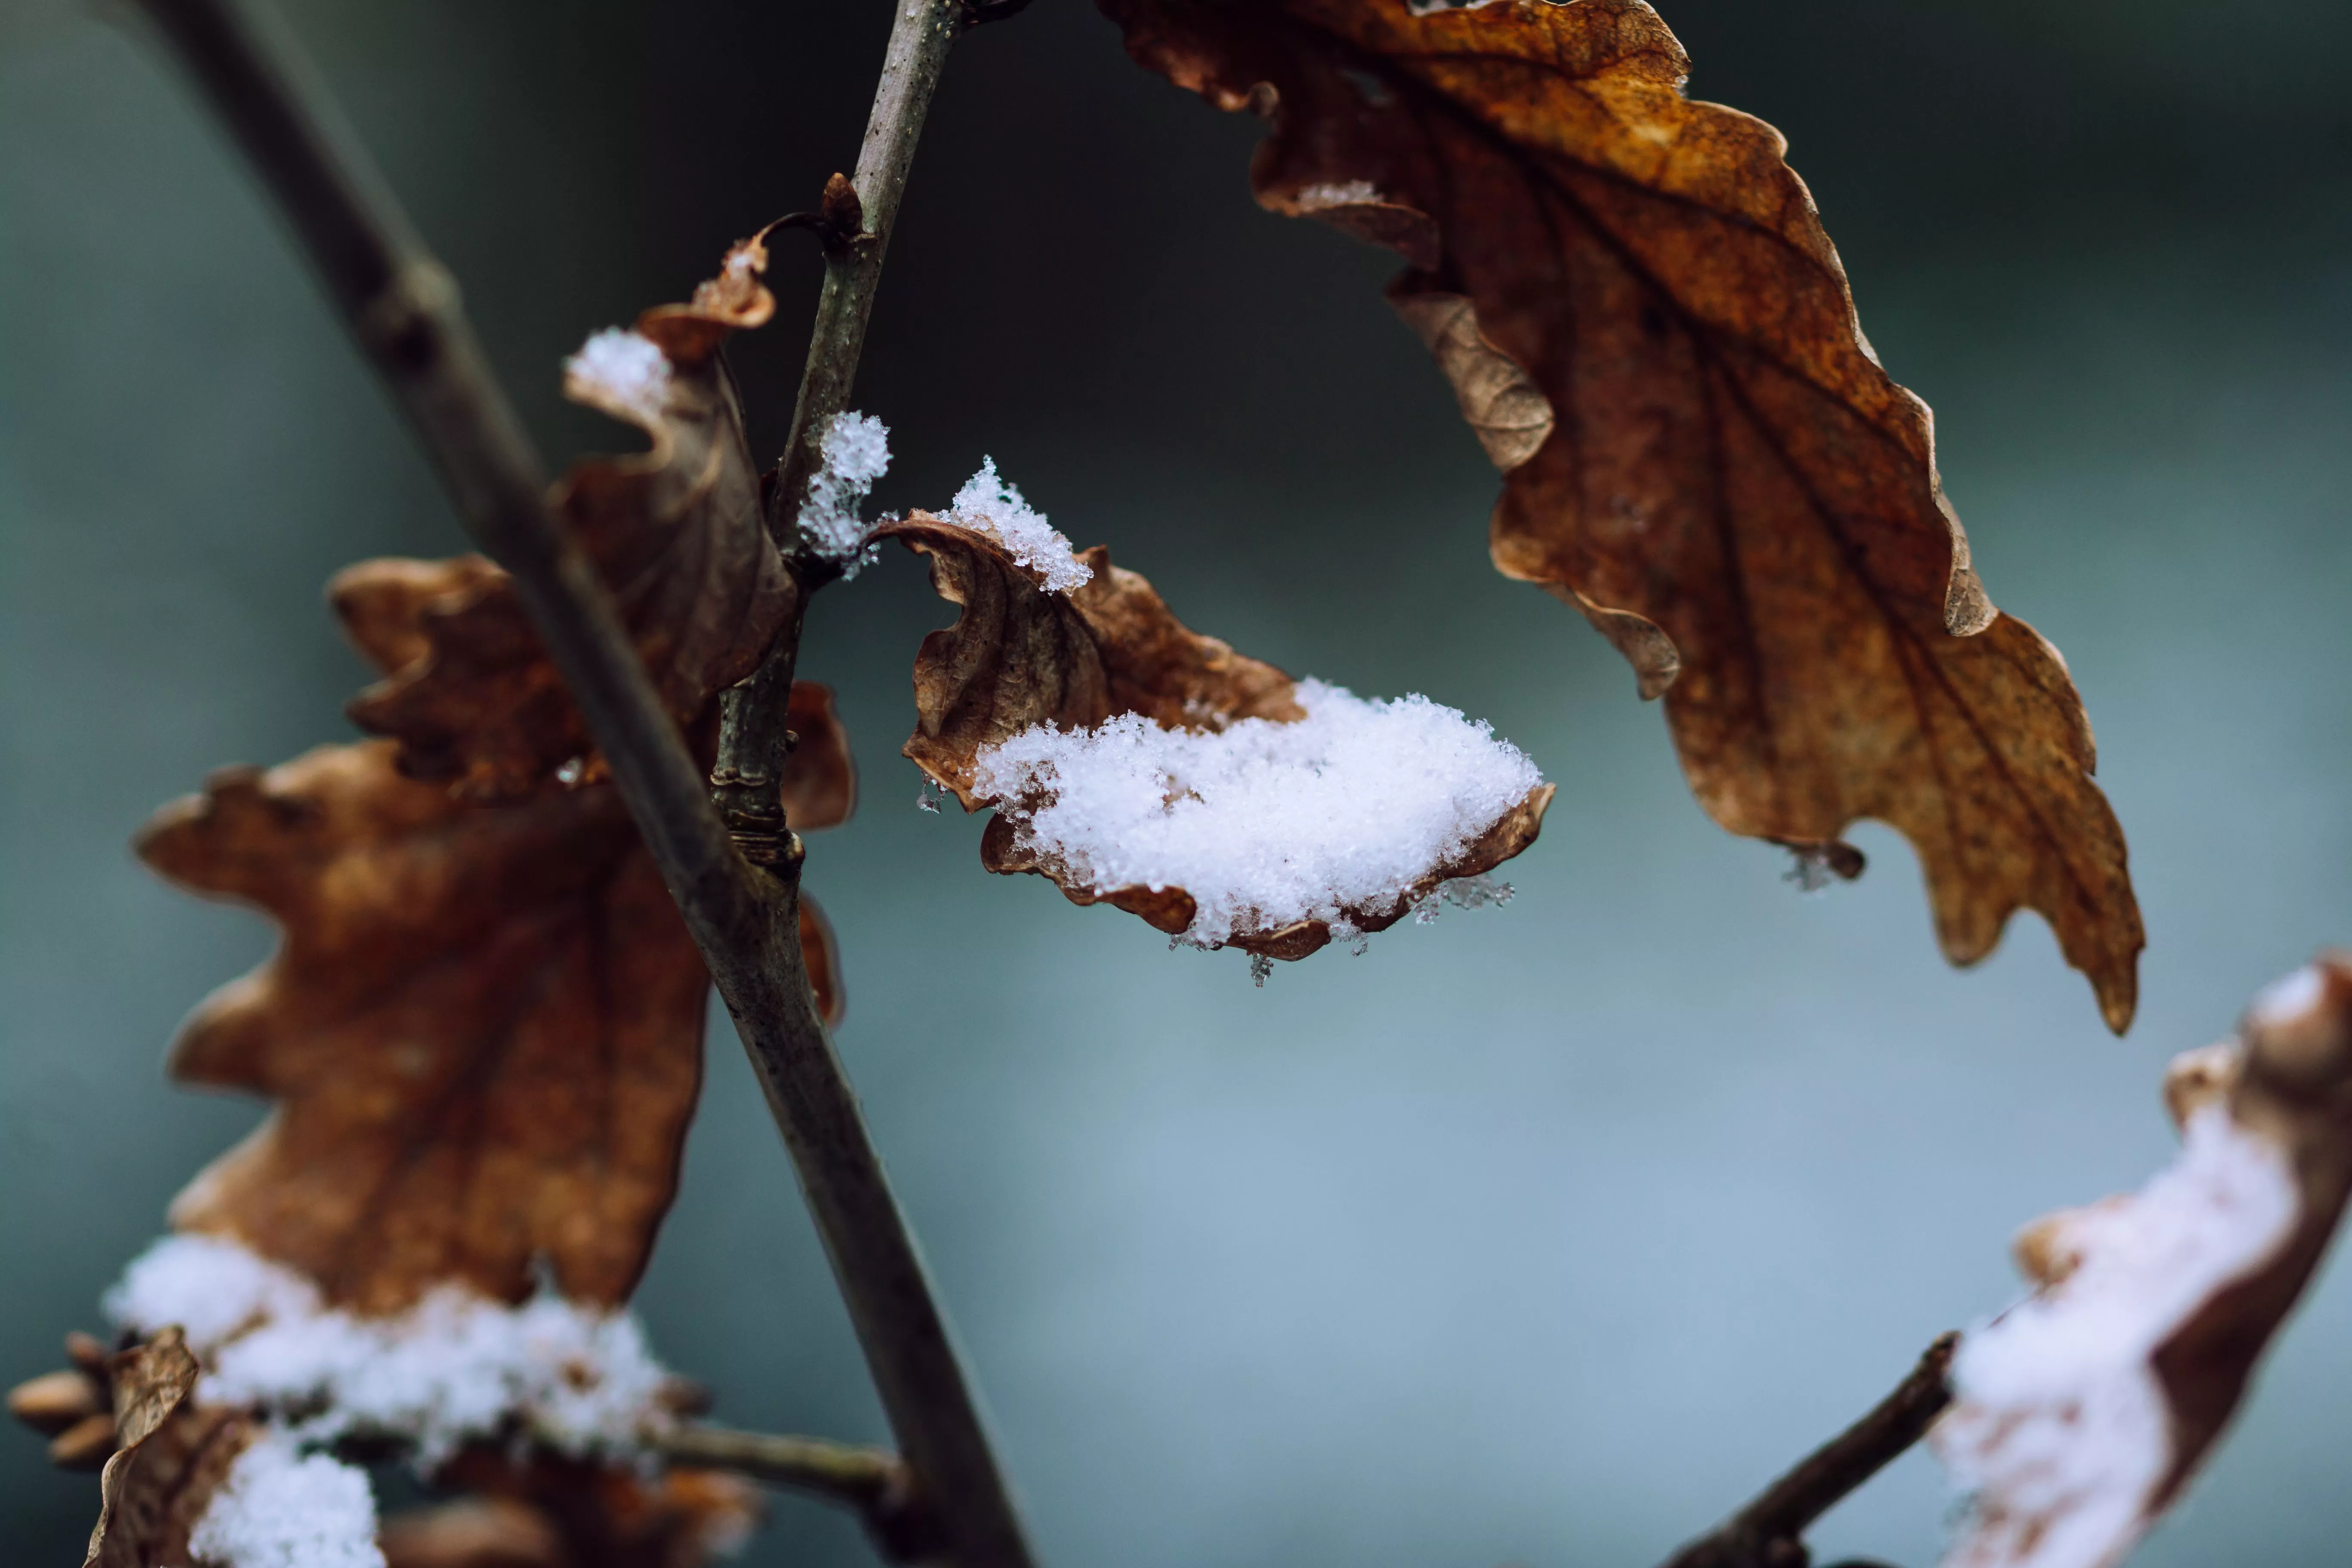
<point x="1138" y="763"/>
<point x="2082" y="1412"/>
<point x="857" y="450"/>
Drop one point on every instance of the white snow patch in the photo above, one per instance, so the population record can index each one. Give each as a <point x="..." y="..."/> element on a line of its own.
<point x="988" y="505"/>
<point x="856" y="453"/>
<point x="283" y="1509"/>
<point x="456" y="1367"/>
<point x="2059" y="1427"/>
<point x="623" y="367"/>
<point x="1337" y="193"/>
<point x="1263" y="823"/>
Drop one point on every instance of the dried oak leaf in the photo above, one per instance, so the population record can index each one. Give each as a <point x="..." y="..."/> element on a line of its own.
<point x="1019" y="656"/>
<point x="1649" y="331"/>
<point x="545" y="1510"/>
<point x="676" y="531"/>
<point x="173" y="1456"/>
<point x="483" y="1029"/>
<point x="2082" y="1414"/>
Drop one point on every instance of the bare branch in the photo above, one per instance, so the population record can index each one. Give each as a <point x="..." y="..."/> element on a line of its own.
<point x="402" y="309"/>
<point x="1770" y="1531"/>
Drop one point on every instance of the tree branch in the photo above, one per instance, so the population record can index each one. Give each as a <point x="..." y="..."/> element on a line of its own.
<point x="402" y="309"/>
<point x="861" y="211"/>
<point x="1770" y="1531"/>
<point x="869" y="1481"/>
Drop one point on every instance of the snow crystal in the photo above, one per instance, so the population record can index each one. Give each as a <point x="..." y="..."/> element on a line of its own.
<point x="1263" y="823"/>
<point x="1336" y="194"/>
<point x="856" y="453"/>
<point x="988" y="505"/>
<point x="623" y="367"/>
<point x="455" y="1367"/>
<point x="2060" y="1426"/>
<point x="283" y="1509"/>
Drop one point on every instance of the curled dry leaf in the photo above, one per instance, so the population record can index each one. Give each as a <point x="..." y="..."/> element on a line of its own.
<point x="2082" y="1413"/>
<point x="676" y="532"/>
<point x="1019" y="657"/>
<point x="1648" y="330"/>
<point x="483" y="1029"/>
<point x="820" y="781"/>
<point x="172" y="1456"/>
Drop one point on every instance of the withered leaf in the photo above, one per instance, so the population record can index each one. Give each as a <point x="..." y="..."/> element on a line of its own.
<point x="576" y="1513"/>
<point x="820" y="781"/>
<point x="1649" y="331"/>
<point x="676" y="531"/>
<point x="1019" y="656"/>
<point x="482" y="1028"/>
<point x="2196" y="1272"/>
<point x="172" y="1456"/>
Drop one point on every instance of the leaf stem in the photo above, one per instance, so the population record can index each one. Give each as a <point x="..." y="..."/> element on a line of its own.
<point x="402" y="309"/>
<point x="1769" y="1532"/>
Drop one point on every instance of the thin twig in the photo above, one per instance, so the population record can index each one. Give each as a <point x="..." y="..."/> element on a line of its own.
<point x="402" y="309"/>
<point x="869" y="1481"/>
<point x="1770" y="1531"/>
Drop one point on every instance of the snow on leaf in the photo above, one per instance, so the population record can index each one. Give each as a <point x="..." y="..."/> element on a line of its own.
<point x="1135" y="762"/>
<point x="283" y="1508"/>
<point x="455" y="1368"/>
<point x="483" y="1029"/>
<point x="676" y="531"/>
<point x="1651" y="335"/>
<point x="2082" y="1413"/>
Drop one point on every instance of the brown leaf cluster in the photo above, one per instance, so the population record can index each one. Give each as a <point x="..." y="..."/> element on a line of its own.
<point x="552" y="1512"/>
<point x="171" y="1455"/>
<point x="1649" y="331"/>
<point x="2286" y="1080"/>
<point x="678" y="534"/>
<point x="1019" y="656"/>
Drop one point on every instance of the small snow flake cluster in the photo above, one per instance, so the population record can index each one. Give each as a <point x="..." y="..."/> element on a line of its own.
<point x="281" y="1507"/>
<point x="1337" y="193"/>
<point x="856" y="453"/>
<point x="988" y="505"/>
<point x="1263" y="824"/>
<point x="455" y="1368"/>
<point x="624" y="368"/>
<point x="2060" y="1427"/>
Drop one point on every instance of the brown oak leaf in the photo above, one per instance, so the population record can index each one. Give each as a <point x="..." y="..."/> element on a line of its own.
<point x="2082" y="1414"/>
<point x="1019" y="656"/>
<point x="546" y="1511"/>
<point x="172" y="1456"/>
<point x="483" y="1029"/>
<point x="676" y="531"/>
<point x="1649" y="331"/>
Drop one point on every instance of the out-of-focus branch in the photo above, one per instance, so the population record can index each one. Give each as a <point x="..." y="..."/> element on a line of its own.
<point x="1770" y="1531"/>
<point x="402" y="309"/>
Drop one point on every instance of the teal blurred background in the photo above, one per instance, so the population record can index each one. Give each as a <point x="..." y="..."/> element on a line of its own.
<point x="1540" y="1236"/>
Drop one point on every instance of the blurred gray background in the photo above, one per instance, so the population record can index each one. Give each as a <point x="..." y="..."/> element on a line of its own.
<point x="1541" y="1236"/>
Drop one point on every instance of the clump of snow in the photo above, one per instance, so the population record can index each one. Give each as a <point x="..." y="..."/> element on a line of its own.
<point x="624" y="368"/>
<point x="2060" y="1427"/>
<point x="988" y="505"/>
<point x="1263" y="824"/>
<point x="856" y="453"/>
<point x="1337" y="193"/>
<point x="456" y="1367"/>
<point x="281" y="1507"/>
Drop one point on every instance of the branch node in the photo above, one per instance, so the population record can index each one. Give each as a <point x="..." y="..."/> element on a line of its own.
<point x="400" y="319"/>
